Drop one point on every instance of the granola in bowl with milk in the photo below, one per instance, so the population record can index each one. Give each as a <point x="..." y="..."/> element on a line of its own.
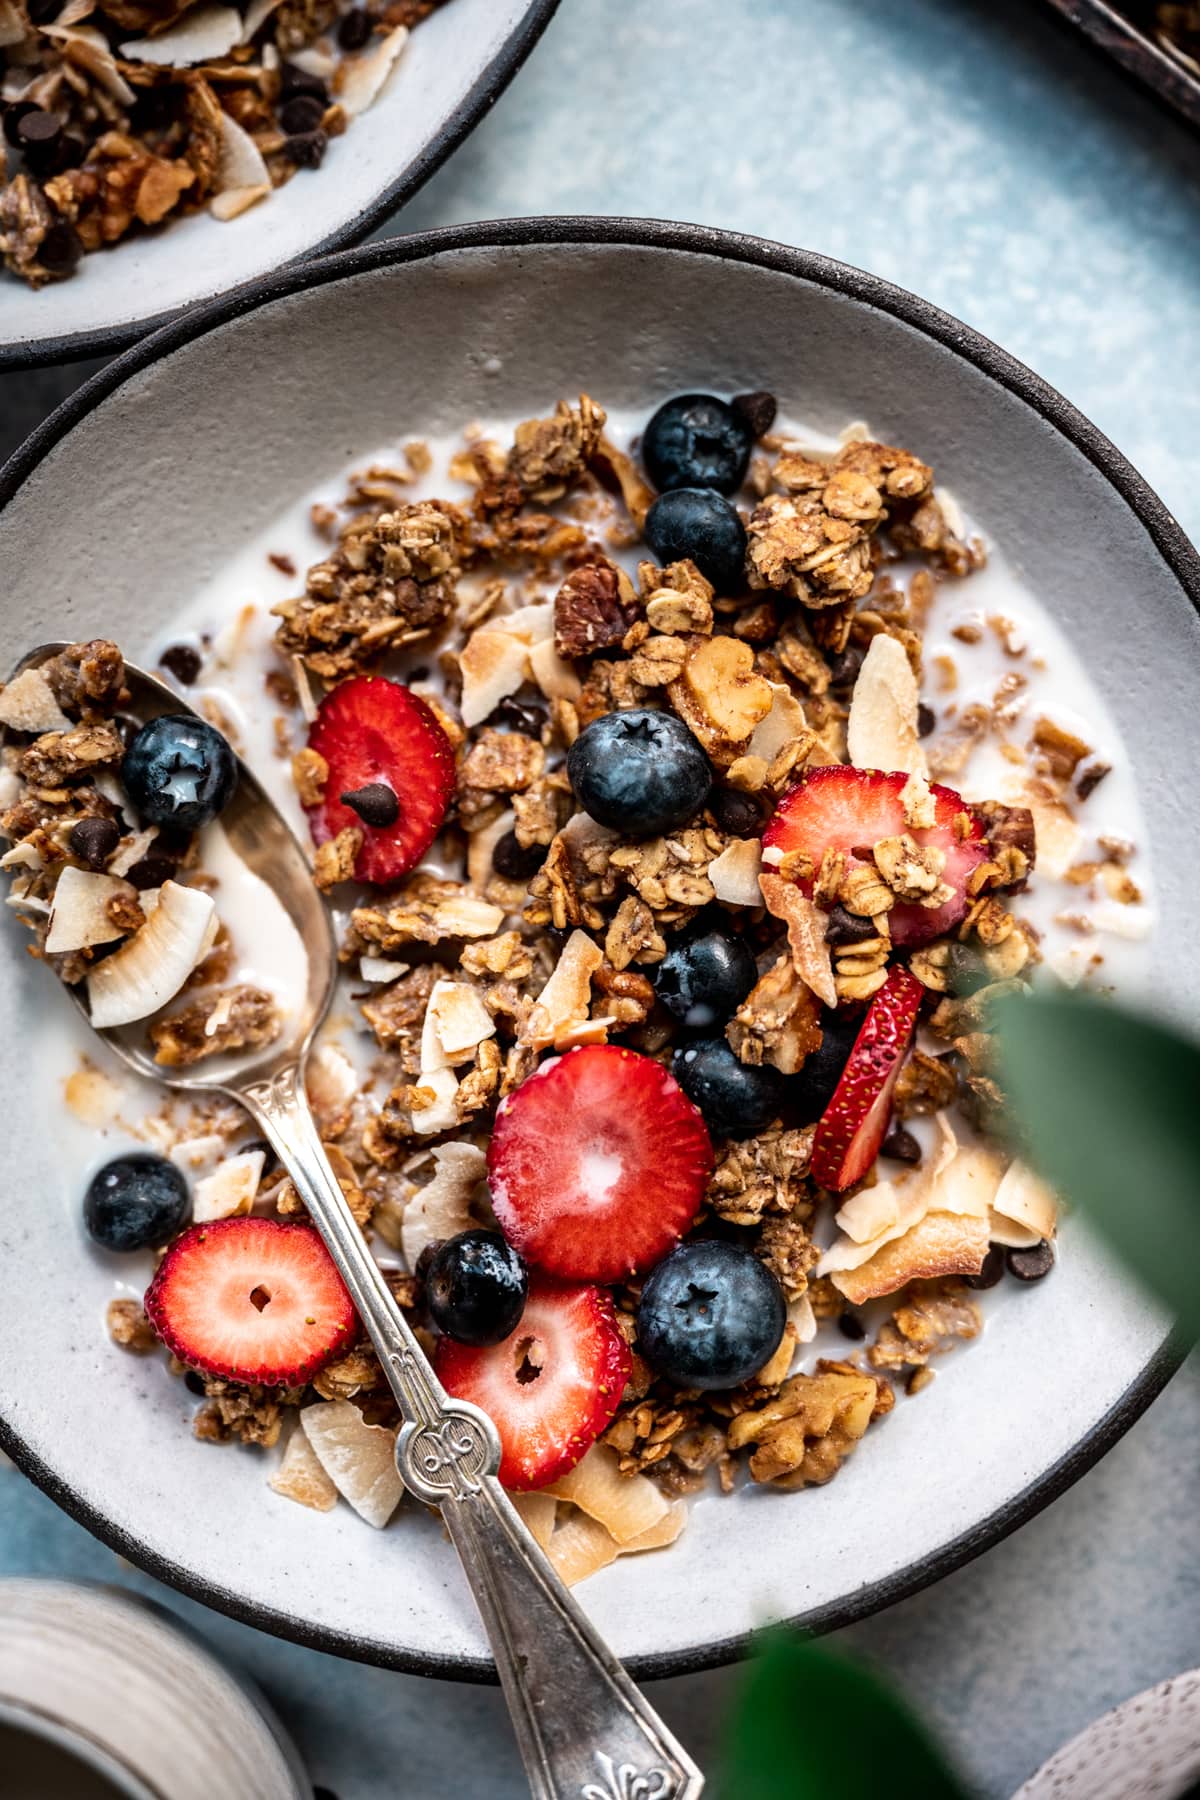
<point x="686" y="791"/>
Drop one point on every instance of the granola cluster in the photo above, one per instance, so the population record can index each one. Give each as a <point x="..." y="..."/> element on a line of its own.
<point x="119" y="116"/>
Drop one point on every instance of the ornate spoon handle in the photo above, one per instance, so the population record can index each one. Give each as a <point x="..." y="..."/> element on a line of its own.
<point x="584" y="1730"/>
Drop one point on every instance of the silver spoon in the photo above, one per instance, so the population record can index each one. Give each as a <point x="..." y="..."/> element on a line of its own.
<point x="585" y="1732"/>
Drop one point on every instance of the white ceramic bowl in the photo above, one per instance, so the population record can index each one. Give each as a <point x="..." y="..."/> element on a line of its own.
<point x="454" y="67"/>
<point x="194" y="442"/>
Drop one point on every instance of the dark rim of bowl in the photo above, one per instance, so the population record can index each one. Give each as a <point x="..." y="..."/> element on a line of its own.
<point x="960" y="340"/>
<point x="481" y="96"/>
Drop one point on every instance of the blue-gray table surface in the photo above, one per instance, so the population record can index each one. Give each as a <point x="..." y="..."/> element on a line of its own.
<point x="975" y="154"/>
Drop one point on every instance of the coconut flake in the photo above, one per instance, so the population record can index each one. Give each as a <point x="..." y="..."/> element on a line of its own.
<point x="229" y="1191"/>
<point x="88" y="48"/>
<point x="537" y="1512"/>
<point x="131" y="850"/>
<point x="555" y="677"/>
<point x="300" y="1476"/>
<point x="359" y="1459"/>
<point x="442" y="1112"/>
<point x="235" y="201"/>
<point x="22" y="856"/>
<point x="562" y="1006"/>
<point x="734" y="874"/>
<point x="579" y="1547"/>
<point x="782" y="726"/>
<point x="256" y="16"/>
<point x="360" y="79"/>
<point x="802" y="1319"/>
<point x="533" y="624"/>
<point x="204" y="34"/>
<point x="1026" y="1203"/>
<point x="27" y="703"/>
<point x="941" y="1243"/>
<point x="330" y="1082"/>
<point x="150" y="967"/>
<point x="442" y="1208"/>
<point x="79" y="914"/>
<point x="494" y="664"/>
<point x="462" y="1020"/>
<point x="198" y="1152"/>
<point x="626" y="1505"/>
<point x="379" y="968"/>
<point x="806" y="928"/>
<point x="315" y="59"/>
<point x="881" y="732"/>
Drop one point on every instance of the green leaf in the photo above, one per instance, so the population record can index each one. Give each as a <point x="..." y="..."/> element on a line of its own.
<point x="810" y="1725"/>
<point x="1109" y="1103"/>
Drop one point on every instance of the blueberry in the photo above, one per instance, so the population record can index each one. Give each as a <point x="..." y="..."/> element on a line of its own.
<point x="179" y="771"/>
<point x="704" y="980"/>
<point x="476" y="1285"/>
<point x="811" y="1090"/>
<point x="640" y="772"/>
<point x="135" y="1202"/>
<point x="697" y="441"/>
<point x="736" y="1099"/>
<point x="694" y="522"/>
<point x="710" y="1315"/>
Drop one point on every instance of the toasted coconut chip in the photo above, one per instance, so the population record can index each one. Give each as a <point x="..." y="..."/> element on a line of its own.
<point x="562" y="1006"/>
<point x="626" y="1505"/>
<point x="360" y="79"/>
<point x="881" y="732"/>
<point x="233" y="202"/>
<point x="442" y="1208"/>
<point x="203" y="1152"/>
<point x="806" y="934"/>
<point x="441" y="1113"/>
<point x="28" y="703"/>
<point x="1057" y="835"/>
<point x="658" y="1536"/>
<point x="88" y="49"/>
<point x="555" y="677"/>
<point x="315" y="59"/>
<point x="330" y="1081"/>
<point x="579" y="1547"/>
<point x="783" y="724"/>
<point x="581" y="831"/>
<point x="940" y="1244"/>
<point x="240" y="164"/>
<point x="480" y="845"/>
<point x="1024" y="1204"/>
<point x="433" y="1057"/>
<point x="379" y="968"/>
<point x="359" y="1459"/>
<point x="532" y="624"/>
<point x="304" y="693"/>
<point x="538" y="1512"/>
<point x="494" y="664"/>
<point x="734" y="874"/>
<point x="21" y="897"/>
<point x="463" y="1021"/>
<point x="802" y="1319"/>
<point x="257" y="14"/>
<point x="79" y="915"/>
<point x="203" y="35"/>
<point x="958" y="1179"/>
<point x="22" y="856"/>
<point x="871" y="1212"/>
<point x="229" y="1191"/>
<point x="150" y="967"/>
<point x="132" y="849"/>
<point x="92" y="1096"/>
<point x="300" y="1476"/>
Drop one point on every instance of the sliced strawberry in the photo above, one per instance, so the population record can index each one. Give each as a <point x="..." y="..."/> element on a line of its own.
<point x="847" y="809"/>
<point x="253" y="1300"/>
<point x="551" y="1387"/>
<point x="598" y="1164"/>
<point x="852" y="1127"/>
<point x="379" y="740"/>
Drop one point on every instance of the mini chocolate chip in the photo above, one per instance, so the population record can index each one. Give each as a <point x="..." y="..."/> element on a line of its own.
<point x="739" y="814"/>
<point x="900" y="1144"/>
<point x="150" y="872"/>
<point x="303" y="112"/>
<point x="44" y="12"/>
<point x="926" y="720"/>
<point x="757" y="409"/>
<point x="354" y="29"/>
<point x="93" y="840"/>
<point x="514" y="861"/>
<point x="20" y="109"/>
<point x="517" y="715"/>
<point x="992" y="1270"/>
<point x="1031" y="1265"/>
<point x="843" y="668"/>
<point x="183" y="661"/>
<point x="852" y="1327"/>
<point x="61" y="249"/>
<point x="38" y="132"/>
<point x="376" y="804"/>
<point x="307" y="148"/>
<point x="844" y="927"/>
<point x="293" y="81"/>
<point x="193" y="1383"/>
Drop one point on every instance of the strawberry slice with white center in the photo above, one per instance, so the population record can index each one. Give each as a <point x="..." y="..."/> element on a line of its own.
<point x="852" y="1127"/>
<point x="253" y="1300"/>
<point x="391" y="774"/>
<point x="847" y="809"/>
<point x="598" y="1164"/>
<point x="550" y="1388"/>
